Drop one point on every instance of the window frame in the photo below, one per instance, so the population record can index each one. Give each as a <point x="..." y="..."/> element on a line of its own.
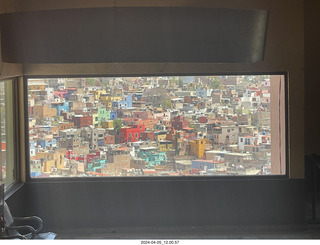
<point x="285" y="74"/>
<point x="11" y="187"/>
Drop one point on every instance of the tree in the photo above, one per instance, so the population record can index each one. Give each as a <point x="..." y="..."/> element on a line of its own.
<point x="90" y="81"/>
<point x="156" y="96"/>
<point x="175" y="80"/>
<point x="215" y="84"/>
<point x="166" y="104"/>
<point x="117" y="125"/>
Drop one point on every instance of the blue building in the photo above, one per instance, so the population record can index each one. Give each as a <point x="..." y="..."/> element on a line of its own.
<point x="127" y="103"/>
<point x="202" y="164"/>
<point x="96" y="164"/>
<point x="113" y="115"/>
<point x="60" y="106"/>
<point x="152" y="156"/>
<point x="138" y="96"/>
<point x="189" y="79"/>
<point x="203" y="92"/>
<point x="129" y="100"/>
<point x="32" y="148"/>
<point x="47" y="143"/>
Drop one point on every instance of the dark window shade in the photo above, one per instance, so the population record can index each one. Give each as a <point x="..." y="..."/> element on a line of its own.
<point x="134" y="35"/>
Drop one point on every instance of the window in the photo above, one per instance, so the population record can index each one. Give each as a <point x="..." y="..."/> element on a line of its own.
<point x="260" y="122"/>
<point x="7" y="132"/>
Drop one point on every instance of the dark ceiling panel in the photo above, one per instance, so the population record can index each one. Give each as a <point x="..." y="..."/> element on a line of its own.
<point x="134" y="35"/>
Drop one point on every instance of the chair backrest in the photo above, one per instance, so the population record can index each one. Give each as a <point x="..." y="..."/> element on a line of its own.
<point x="8" y="219"/>
<point x="1" y="207"/>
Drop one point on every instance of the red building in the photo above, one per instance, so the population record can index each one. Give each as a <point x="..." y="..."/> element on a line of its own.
<point x="109" y="139"/>
<point x="179" y="123"/>
<point x="148" y="123"/>
<point x="69" y="154"/>
<point x="90" y="157"/>
<point x="60" y="93"/>
<point x="82" y="121"/>
<point x="203" y="119"/>
<point x="132" y="133"/>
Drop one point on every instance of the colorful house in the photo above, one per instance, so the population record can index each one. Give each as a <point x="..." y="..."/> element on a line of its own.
<point x="160" y="135"/>
<point x="131" y="134"/>
<point x="95" y="119"/>
<point x="107" y="124"/>
<point x="60" y="106"/>
<point x="50" y="161"/>
<point x="165" y="145"/>
<point x="197" y="147"/>
<point x="202" y="164"/>
<point x="103" y="115"/>
<point x="82" y="121"/>
<point x="47" y="143"/>
<point x="107" y="99"/>
<point x="96" y="93"/>
<point x="127" y="103"/>
<point x="113" y="115"/>
<point x="147" y="135"/>
<point x="152" y="156"/>
<point x="179" y="123"/>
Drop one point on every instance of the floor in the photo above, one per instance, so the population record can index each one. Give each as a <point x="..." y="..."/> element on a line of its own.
<point x="310" y="231"/>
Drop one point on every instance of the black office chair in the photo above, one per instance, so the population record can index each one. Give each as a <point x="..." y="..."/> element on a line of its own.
<point x="22" y="227"/>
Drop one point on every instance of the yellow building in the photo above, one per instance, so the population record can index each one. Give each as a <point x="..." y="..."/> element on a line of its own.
<point x="55" y="130"/>
<point x="107" y="124"/>
<point x="50" y="161"/>
<point x="159" y="137"/>
<point x="97" y="93"/>
<point x="107" y="100"/>
<point x="165" y="145"/>
<point x="34" y="84"/>
<point x="197" y="147"/>
<point x="66" y="125"/>
<point x="95" y="119"/>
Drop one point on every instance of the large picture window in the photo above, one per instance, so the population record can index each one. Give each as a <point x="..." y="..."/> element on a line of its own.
<point x="157" y="126"/>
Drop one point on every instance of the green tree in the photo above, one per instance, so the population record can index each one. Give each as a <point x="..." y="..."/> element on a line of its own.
<point x="215" y="84"/>
<point x="90" y="81"/>
<point x="174" y="80"/>
<point x="117" y="125"/>
<point x="167" y="104"/>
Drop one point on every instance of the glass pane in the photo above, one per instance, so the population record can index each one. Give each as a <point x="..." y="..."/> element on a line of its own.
<point x="7" y="131"/>
<point x="157" y="126"/>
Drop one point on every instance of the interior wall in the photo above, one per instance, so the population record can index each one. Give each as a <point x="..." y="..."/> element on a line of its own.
<point x="114" y="204"/>
<point x="312" y="82"/>
<point x="8" y="70"/>
<point x="216" y="202"/>
<point x="284" y="52"/>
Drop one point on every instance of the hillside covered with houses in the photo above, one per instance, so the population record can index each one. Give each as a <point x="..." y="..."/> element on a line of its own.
<point x="150" y="126"/>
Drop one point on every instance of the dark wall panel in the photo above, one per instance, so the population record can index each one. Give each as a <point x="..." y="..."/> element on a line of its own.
<point x="134" y="35"/>
<point x="82" y="204"/>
